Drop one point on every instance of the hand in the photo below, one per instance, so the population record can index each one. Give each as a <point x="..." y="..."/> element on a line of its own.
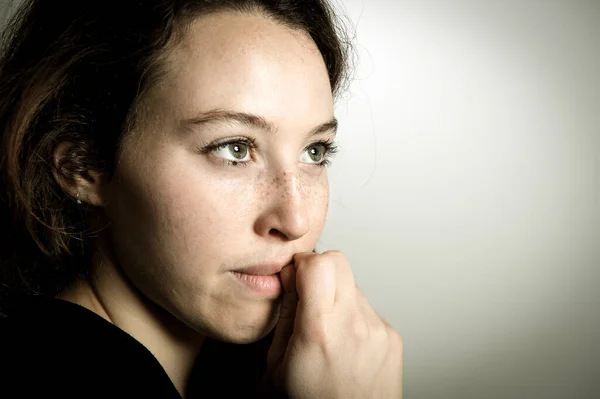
<point x="328" y="341"/>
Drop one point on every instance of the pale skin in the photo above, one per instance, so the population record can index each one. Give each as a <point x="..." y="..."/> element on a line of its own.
<point x="181" y="219"/>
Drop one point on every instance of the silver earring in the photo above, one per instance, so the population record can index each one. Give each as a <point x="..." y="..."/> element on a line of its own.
<point x="78" y="200"/>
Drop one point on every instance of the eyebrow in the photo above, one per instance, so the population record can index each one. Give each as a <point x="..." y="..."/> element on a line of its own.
<point x="251" y="121"/>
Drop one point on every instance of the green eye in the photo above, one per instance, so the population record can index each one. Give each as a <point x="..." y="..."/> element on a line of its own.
<point x="237" y="151"/>
<point x="315" y="154"/>
<point x="319" y="154"/>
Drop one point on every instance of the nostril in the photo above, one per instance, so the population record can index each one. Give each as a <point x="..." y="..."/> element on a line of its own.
<point x="279" y="234"/>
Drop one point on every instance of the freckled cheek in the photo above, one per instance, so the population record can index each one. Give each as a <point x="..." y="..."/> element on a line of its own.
<point x="321" y="199"/>
<point x="218" y="209"/>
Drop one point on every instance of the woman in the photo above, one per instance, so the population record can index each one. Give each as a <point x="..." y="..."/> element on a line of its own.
<point x="164" y="183"/>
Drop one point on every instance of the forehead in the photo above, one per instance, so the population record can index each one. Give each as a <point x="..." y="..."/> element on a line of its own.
<point x="248" y="63"/>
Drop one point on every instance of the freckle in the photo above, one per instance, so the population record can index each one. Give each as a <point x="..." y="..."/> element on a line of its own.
<point x="274" y="182"/>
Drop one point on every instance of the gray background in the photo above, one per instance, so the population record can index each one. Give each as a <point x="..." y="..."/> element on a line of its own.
<point x="466" y="194"/>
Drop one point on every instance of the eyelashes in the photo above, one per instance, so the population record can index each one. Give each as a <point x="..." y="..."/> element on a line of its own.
<point x="219" y="145"/>
<point x="330" y="149"/>
<point x="244" y="145"/>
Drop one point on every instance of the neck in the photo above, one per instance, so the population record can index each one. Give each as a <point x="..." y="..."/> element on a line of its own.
<point x="112" y="296"/>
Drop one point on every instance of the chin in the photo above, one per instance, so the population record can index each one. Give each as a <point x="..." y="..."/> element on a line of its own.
<point x="249" y="332"/>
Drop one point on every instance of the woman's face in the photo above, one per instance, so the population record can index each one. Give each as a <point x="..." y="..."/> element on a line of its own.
<point x="186" y="212"/>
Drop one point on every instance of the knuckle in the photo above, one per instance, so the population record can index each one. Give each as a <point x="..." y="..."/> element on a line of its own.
<point x="381" y="333"/>
<point x="321" y="261"/>
<point x="335" y="256"/>
<point x="395" y="339"/>
<point x="360" y="294"/>
<point x="360" y="330"/>
<point x="333" y="252"/>
<point x="331" y="258"/>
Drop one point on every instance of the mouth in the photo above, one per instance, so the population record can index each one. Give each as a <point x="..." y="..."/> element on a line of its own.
<point x="263" y="279"/>
<point x="264" y="269"/>
<point x="269" y="285"/>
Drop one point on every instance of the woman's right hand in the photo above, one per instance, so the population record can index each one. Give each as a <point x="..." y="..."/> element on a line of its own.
<point x="329" y="342"/>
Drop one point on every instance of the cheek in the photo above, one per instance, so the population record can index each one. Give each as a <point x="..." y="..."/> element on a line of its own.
<point x="192" y="216"/>
<point x="320" y="197"/>
<point x="158" y="214"/>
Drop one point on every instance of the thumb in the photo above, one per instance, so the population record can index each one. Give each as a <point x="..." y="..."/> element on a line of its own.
<point x="287" y="274"/>
<point x="287" y="314"/>
<point x="289" y="302"/>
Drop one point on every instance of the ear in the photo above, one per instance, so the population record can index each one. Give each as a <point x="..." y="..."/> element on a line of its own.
<point x="90" y="188"/>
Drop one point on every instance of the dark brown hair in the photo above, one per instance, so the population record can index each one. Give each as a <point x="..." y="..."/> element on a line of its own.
<point x="74" y="71"/>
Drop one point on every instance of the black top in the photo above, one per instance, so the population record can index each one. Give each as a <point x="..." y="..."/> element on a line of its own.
<point x="50" y="348"/>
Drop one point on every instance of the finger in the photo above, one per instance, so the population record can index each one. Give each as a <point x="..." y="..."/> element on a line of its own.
<point x="315" y="283"/>
<point x="345" y="294"/>
<point x="365" y="307"/>
<point x="323" y="281"/>
<point x="288" y="279"/>
<point x="374" y="320"/>
<point x="287" y="315"/>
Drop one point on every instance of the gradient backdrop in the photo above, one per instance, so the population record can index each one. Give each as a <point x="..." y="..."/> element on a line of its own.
<point x="467" y="191"/>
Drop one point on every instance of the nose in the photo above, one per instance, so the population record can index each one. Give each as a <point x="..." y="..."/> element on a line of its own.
<point x="285" y="213"/>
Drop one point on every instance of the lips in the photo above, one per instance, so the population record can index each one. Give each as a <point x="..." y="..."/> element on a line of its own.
<point x="264" y="269"/>
<point x="264" y="285"/>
